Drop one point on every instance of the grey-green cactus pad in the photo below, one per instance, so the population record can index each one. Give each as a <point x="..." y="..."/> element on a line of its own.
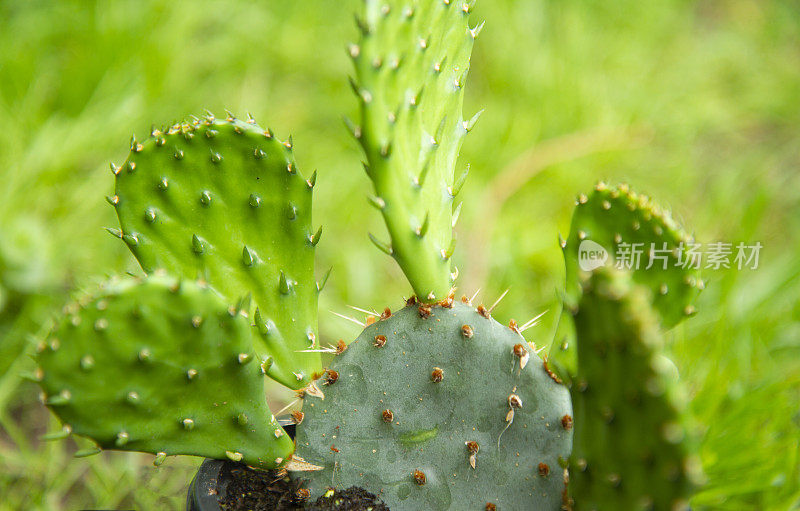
<point x="161" y="366"/>
<point x="222" y="200"/>
<point x="347" y="433"/>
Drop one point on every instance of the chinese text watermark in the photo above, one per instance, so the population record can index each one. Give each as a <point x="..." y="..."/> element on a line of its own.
<point x="635" y="256"/>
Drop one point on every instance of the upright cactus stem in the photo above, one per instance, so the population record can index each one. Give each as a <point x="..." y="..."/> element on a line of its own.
<point x="631" y="443"/>
<point x="411" y="64"/>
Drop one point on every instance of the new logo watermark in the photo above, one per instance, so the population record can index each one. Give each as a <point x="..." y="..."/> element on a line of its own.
<point x="591" y="255"/>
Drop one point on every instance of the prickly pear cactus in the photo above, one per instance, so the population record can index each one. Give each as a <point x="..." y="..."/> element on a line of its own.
<point x="436" y="406"/>
<point x="161" y="366"/>
<point x="625" y="224"/>
<point x="222" y="200"/>
<point x="411" y="64"/>
<point x="616" y="227"/>
<point x="440" y="407"/>
<point x="630" y="447"/>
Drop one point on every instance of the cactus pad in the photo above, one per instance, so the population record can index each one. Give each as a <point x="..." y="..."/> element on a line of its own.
<point x="616" y="218"/>
<point x="411" y="64"/>
<point x="222" y="200"/>
<point x="421" y="401"/>
<point x="161" y="366"/>
<point x="630" y="445"/>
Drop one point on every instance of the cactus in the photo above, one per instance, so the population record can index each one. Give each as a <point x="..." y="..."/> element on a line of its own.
<point x="440" y="407"/>
<point x="163" y="366"/>
<point x="613" y="216"/>
<point x="630" y="447"/>
<point x="222" y="200"/>
<point x="435" y="406"/>
<point x="619" y="222"/>
<point x="411" y="64"/>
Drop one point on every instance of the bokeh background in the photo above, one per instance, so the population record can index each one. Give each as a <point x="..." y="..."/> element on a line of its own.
<point x="696" y="103"/>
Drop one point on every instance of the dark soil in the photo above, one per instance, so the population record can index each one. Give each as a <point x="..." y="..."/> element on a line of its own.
<point x="257" y="490"/>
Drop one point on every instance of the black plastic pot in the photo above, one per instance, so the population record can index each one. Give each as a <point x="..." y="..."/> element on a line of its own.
<point x="208" y="487"/>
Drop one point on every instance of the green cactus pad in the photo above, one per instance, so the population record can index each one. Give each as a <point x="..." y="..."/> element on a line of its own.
<point x="413" y="390"/>
<point x="222" y="200"/>
<point x="411" y="65"/>
<point x="161" y="366"/>
<point x="630" y="445"/>
<point x="616" y="218"/>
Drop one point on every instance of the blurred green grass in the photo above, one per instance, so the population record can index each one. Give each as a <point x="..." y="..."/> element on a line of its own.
<point x="695" y="102"/>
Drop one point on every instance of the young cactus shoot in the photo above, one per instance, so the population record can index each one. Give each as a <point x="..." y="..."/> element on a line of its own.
<point x="411" y="65"/>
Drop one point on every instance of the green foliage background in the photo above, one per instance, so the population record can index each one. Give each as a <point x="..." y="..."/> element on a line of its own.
<point x="694" y="102"/>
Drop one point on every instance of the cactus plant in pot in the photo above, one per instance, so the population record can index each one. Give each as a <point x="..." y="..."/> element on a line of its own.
<point x="435" y="405"/>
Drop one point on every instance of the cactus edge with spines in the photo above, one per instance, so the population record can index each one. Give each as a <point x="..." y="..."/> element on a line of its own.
<point x="222" y="200"/>
<point x="160" y="365"/>
<point x="411" y="64"/>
